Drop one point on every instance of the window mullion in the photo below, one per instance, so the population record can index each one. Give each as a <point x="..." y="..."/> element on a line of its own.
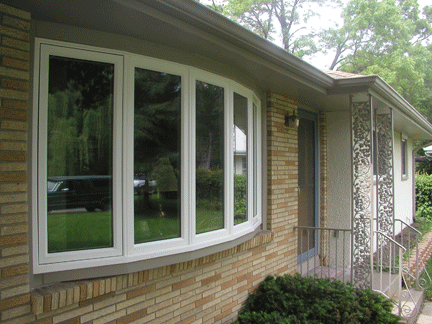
<point x="229" y="160"/>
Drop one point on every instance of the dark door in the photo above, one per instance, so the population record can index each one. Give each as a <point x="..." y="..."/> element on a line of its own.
<point x="307" y="185"/>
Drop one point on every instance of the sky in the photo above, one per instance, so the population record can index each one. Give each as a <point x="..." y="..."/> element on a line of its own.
<point x="329" y="17"/>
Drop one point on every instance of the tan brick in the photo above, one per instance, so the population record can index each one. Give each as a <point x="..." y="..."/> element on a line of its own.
<point x="10" y="167"/>
<point x="44" y="321"/>
<point x="140" y="291"/>
<point x="15" y="12"/>
<point x="17" y="229"/>
<point x="132" y="317"/>
<point x="183" y="283"/>
<point x="139" y="306"/>
<point x="11" y="240"/>
<point x="13" y="124"/>
<point x="13" y="209"/>
<point x="211" y="279"/>
<point x="15" y="260"/>
<point x="13" y="281"/>
<point x="16" y="291"/>
<point x="13" y="156"/>
<point x="16" y="74"/>
<point x="113" y="300"/>
<point x="12" y="32"/>
<point x="73" y="313"/>
<point x="14" y="104"/>
<point x="12" y="187"/>
<point x="20" y="320"/>
<point x="12" y="198"/>
<point x="13" y="135"/>
<point x="14" y="84"/>
<point x="99" y="313"/>
<point x="15" y="312"/>
<point x="13" y="114"/>
<point x="14" y="302"/>
<point x="14" y="53"/>
<point x="167" y="310"/>
<point x="17" y="23"/>
<point x="204" y="300"/>
<point x="14" y="271"/>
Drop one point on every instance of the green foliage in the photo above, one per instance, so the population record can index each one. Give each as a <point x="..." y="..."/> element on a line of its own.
<point x="240" y="186"/>
<point x="423" y="184"/>
<point x="209" y="184"/>
<point x="272" y="19"/>
<point x="294" y="299"/>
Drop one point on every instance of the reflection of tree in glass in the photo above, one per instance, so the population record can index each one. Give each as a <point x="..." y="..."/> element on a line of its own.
<point x="209" y="126"/>
<point x="157" y="120"/>
<point x="209" y="157"/>
<point x="79" y="117"/>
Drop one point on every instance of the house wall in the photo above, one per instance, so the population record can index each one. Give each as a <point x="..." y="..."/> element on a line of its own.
<point x="403" y="186"/>
<point x="339" y="169"/>
<point x="208" y="289"/>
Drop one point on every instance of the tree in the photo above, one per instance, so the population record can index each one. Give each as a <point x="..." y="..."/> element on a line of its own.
<point x="389" y="38"/>
<point x="271" y="19"/>
<point x="372" y="29"/>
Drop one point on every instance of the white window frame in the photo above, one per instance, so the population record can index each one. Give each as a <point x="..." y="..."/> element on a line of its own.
<point x="404" y="157"/>
<point x="125" y="250"/>
<point x="41" y="187"/>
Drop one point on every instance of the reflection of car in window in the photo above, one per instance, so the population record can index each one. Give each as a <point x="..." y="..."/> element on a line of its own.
<point x="90" y="192"/>
<point x="140" y="183"/>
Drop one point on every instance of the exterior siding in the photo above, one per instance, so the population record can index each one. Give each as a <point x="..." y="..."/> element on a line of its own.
<point x="210" y="289"/>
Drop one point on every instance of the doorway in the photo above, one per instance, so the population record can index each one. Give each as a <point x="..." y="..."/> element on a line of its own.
<point x="308" y="186"/>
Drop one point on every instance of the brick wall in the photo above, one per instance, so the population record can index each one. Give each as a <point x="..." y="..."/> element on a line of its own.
<point x="14" y="95"/>
<point x="282" y="150"/>
<point x="206" y="290"/>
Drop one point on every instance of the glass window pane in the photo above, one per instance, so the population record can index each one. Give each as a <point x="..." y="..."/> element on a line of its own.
<point x="209" y="157"/>
<point x="240" y="158"/>
<point x="79" y="157"/>
<point x="156" y="156"/>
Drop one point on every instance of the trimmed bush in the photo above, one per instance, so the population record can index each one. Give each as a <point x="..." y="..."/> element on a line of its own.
<point x="423" y="184"/>
<point x="294" y="299"/>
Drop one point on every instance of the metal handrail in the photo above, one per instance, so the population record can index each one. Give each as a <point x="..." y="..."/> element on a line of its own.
<point x="326" y="252"/>
<point x="324" y="228"/>
<point x="419" y="234"/>
<point x="400" y="278"/>
<point x="390" y="239"/>
<point x="408" y="225"/>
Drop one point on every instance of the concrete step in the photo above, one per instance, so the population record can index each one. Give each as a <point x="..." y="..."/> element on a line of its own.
<point x="412" y="301"/>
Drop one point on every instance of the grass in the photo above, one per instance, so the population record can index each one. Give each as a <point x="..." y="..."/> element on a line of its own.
<point x="79" y="231"/>
<point x="158" y="220"/>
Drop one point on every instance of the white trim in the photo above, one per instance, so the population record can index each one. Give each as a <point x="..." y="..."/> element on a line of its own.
<point x="125" y="250"/>
<point x="42" y="58"/>
<point x="404" y="159"/>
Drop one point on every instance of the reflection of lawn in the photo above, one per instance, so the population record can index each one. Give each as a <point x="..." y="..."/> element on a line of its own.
<point x="92" y="230"/>
<point x="79" y="231"/>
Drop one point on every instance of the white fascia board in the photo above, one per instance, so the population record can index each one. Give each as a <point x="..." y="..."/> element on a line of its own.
<point x="205" y="19"/>
<point x="380" y="89"/>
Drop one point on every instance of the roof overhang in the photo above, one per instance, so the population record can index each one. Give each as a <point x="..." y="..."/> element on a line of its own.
<point x="194" y="28"/>
<point x="406" y="118"/>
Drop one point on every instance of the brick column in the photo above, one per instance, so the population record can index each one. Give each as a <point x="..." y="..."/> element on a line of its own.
<point x="282" y="150"/>
<point x="14" y="96"/>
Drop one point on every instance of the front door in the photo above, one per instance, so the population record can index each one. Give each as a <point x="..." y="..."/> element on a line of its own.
<point x="307" y="185"/>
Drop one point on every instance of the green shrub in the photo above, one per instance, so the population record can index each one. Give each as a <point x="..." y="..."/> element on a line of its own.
<point x="294" y="299"/>
<point x="423" y="184"/>
<point x="209" y="184"/>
